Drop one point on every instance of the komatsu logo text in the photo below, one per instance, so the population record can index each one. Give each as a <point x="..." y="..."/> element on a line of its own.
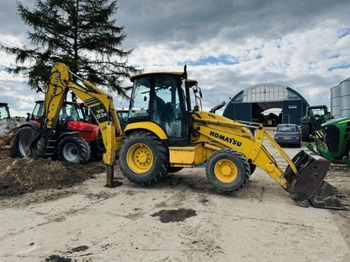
<point x="225" y="138"/>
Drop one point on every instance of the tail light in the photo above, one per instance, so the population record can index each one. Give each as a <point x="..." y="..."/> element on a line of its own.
<point x="298" y="134"/>
<point x="276" y="135"/>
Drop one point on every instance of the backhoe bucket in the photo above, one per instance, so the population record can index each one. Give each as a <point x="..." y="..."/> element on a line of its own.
<point x="27" y="136"/>
<point x="309" y="185"/>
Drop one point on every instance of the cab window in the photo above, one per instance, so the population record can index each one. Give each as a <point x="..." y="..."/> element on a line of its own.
<point x="38" y="111"/>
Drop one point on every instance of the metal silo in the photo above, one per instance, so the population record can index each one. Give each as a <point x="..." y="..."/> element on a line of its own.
<point x="345" y="97"/>
<point x="336" y="101"/>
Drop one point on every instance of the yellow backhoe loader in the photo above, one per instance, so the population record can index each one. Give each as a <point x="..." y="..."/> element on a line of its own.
<point x="165" y="133"/>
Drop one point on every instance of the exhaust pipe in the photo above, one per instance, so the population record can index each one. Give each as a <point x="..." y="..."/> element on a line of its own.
<point x="308" y="185"/>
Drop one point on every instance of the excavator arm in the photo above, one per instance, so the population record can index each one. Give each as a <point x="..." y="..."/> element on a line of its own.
<point x="100" y="104"/>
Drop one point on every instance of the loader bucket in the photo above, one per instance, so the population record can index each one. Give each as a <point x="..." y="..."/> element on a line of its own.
<point x="309" y="185"/>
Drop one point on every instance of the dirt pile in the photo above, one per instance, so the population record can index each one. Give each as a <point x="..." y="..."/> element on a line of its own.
<point x="19" y="176"/>
<point x="6" y="141"/>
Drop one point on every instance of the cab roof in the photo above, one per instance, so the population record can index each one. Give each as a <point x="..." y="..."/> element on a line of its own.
<point x="192" y="81"/>
<point x="132" y="78"/>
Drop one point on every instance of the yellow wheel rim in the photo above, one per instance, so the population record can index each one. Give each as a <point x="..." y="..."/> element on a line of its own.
<point x="139" y="158"/>
<point x="225" y="171"/>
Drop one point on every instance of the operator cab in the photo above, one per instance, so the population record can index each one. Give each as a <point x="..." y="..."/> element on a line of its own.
<point x="69" y="112"/>
<point x="161" y="99"/>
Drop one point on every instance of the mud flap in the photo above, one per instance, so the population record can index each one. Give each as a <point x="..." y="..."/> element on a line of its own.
<point x="309" y="184"/>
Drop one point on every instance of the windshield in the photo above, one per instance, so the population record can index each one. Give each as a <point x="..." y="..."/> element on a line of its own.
<point x="70" y="113"/>
<point x="165" y="93"/>
<point x="318" y="111"/>
<point x="157" y="98"/>
<point x="38" y="111"/>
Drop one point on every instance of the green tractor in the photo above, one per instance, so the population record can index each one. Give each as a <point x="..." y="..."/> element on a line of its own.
<point x="333" y="141"/>
<point x="312" y="121"/>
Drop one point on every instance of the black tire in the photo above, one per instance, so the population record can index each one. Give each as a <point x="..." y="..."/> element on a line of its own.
<point x="238" y="167"/>
<point x="74" y="149"/>
<point x="18" y="148"/>
<point x="305" y="132"/>
<point x="143" y="158"/>
<point x="174" y="169"/>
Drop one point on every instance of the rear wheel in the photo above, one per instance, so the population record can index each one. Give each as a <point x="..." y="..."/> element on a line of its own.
<point x="143" y="158"/>
<point x="305" y="132"/>
<point x="228" y="170"/>
<point x="74" y="149"/>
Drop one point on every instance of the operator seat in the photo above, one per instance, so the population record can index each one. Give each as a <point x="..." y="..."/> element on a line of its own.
<point x="159" y="111"/>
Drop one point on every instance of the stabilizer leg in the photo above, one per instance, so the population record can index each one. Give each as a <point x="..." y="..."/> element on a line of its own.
<point x="110" y="182"/>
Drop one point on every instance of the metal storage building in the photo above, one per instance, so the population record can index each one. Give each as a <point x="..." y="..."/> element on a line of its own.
<point x="340" y="99"/>
<point x="249" y="104"/>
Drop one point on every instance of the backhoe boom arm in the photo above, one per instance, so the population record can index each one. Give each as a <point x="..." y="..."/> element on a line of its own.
<point x="99" y="103"/>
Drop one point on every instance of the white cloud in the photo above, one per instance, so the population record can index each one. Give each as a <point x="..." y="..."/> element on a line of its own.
<point x="300" y="60"/>
<point x="296" y="44"/>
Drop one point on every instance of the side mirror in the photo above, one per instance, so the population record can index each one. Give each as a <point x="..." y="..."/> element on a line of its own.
<point x="28" y="117"/>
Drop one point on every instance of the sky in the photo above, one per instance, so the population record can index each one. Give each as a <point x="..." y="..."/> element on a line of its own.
<point x="228" y="45"/>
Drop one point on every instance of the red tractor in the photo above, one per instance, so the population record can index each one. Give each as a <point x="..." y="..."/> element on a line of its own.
<point x="77" y="137"/>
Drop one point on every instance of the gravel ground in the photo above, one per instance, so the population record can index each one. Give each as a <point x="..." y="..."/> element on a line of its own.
<point x="181" y="218"/>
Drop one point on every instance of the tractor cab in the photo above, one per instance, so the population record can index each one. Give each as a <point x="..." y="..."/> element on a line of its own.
<point x="312" y="121"/>
<point x="70" y="112"/>
<point x="163" y="99"/>
<point x="4" y="111"/>
<point x="319" y="115"/>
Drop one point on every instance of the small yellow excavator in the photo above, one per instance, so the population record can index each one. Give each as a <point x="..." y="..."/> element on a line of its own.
<point x="166" y="132"/>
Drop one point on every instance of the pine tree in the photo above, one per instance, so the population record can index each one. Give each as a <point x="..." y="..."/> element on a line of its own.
<point x="79" y="33"/>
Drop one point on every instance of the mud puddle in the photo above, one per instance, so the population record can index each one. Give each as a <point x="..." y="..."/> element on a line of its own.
<point x="175" y="215"/>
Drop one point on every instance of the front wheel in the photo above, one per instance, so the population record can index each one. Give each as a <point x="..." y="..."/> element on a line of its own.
<point x="305" y="132"/>
<point x="143" y="158"/>
<point x="228" y="170"/>
<point x="74" y="149"/>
